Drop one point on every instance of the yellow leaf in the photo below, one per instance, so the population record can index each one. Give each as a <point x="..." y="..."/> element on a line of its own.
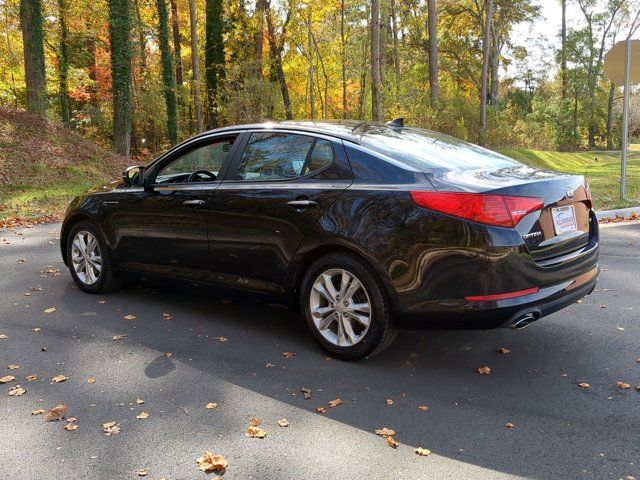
<point x="283" y="422"/>
<point x="485" y="370"/>
<point x="623" y="385"/>
<point x="110" y="428"/>
<point x="130" y="317"/>
<point x="13" y="367"/>
<point x="31" y="378"/>
<point x="321" y="409"/>
<point x="255" y="432"/>
<point x="143" y="472"/>
<point x="584" y="385"/>
<point x="16" y="391"/>
<point x="509" y="425"/>
<point x="335" y="403"/>
<point x="422" y="451"/>
<point x="391" y="442"/>
<point x="7" y="379"/>
<point x="50" y="310"/>
<point x="71" y="419"/>
<point x="91" y="380"/>
<point x="139" y="401"/>
<point x="59" y="378"/>
<point x="56" y="413"/>
<point x="3" y="336"/>
<point x="385" y="432"/>
<point x="142" y="415"/>
<point x="39" y="411"/>
<point x="70" y="427"/>
<point x="211" y="405"/>
<point x="389" y="401"/>
<point x="108" y="424"/>
<point x="210" y="462"/>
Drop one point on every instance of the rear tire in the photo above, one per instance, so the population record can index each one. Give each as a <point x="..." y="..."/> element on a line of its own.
<point x="90" y="260"/>
<point x="346" y="307"/>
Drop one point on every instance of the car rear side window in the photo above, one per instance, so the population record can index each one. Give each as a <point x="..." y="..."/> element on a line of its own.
<point x="282" y="156"/>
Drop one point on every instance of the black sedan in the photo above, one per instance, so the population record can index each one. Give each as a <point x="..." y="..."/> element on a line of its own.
<point x="370" y="227"/>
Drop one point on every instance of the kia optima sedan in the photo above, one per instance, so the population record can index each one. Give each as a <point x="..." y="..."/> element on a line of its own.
<point x="369" y="227"/>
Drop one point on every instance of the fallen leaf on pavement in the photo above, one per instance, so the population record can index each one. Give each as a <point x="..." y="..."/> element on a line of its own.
<point x="210" y="462"/>
<point x="31" y="378"/>
<point x="389" y="401"/>
<point x="139" y="401"/>
<point x="71" y="419"/>
<point x="7" y="379"/>
<point x="130" y="317"/>
<point x="255" y="432"/>
<point x="306" y="392"/>
<point x="509" y="425"/>
<point x="13" y="367"/>
<point x="385" y="432"/>
<point x="119" y="337"/>
<point x="50" y="310"/>
<point x="3" y="336"/>
<point x="142" y="415"/>
<point x="168" y="354"/>
<point x="620" y="329"/>
<point x="254" y="421"/>
<point x="211" y="405"/>
<point x="36" y="330"/>
<point x="391" y="442"/>
<point x="424" y="408"/>
<point x="269" y="365"/>
<point x="579" y="301"/>
<point x="623" y="385"/>
<point x="335" y="403"/>
<point x="91" y="380"/>
<point x="422" y="451"/>
<point x="143" y="472"/>
<point x="167" y="316"/>
<point x="288" y="354"/>
<point x="603" y="306"/>
<point x="39" y="411"/>
<point x="56" y="413"/>
<point x="70" y="427"/>
<point x="59" y="378"/>
<point x="222" y="339"/>
<point x="504" y="351"/>
<point x="16" y="391"/>
<point x="110" y="428"/>
<point x="485" y="370"/>
<point x="285" y="423"/>
<point x="321" y="409"/>
<point x="102" y="302"/>
<point x="584" y="385"/>
<point x="637" y="388"/>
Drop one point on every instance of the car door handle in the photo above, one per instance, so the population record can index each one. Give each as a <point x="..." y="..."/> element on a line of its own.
<point x="300" y="204"/>
<point x="192" y="203"/>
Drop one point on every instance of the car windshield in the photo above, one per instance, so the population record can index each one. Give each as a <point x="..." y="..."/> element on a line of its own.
<point x="429" y="151"/>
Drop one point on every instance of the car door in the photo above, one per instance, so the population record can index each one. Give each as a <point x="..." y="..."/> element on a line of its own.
<point x="275" y="192"/>
<point x="163" y="229"/>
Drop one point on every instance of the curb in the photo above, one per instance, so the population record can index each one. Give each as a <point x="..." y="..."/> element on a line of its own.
<point x="620" y="213"/>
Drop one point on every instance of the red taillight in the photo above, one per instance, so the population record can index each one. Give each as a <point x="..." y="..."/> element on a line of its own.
<point x="501" y="296"/>
<point x="499" y="210"/>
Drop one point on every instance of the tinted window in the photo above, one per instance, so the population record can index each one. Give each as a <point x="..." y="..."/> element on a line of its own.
<point x="428" y="151"/>
<point x="209" y="157"/>
<point x="282" y="156"/>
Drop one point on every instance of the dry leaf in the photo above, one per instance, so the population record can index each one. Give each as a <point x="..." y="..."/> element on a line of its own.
<point x="143" y="472"/>
<point x="321" y="409"/>
<point x="603" y="306"/>
<point x="13" y="367"/>
<point x="620" y="328"/>
<point x="623" y="385"/>
<point x="36" y="330"/>
<point x="211" y="405"/>
<point x="389" y="401"/>
<point x="306" y="392"/>
<point x="254" y="421"/>
<point x="91" y="380"/>
<point x="579" y="301"/>
<point x="110" y="428"/>
<point x="509" y="425"/>
<point x="119" y="337"/>
<point x="59" y="378"/>
<point x="335" y="403"/>
<point x="168" y="354"/>
<point x="3" y="336"/>
<point x="70" y="427"/>
<point x="385" y="432"/>
<point x="39" y="411"/>
<point x="424" y="408"/>
<point x="16" y="391"/>
<point x="167" y="316"/>
<point x="485" y="370"/>
<point x="71" y="419"/>
<point x="391" y="442"/>
<point x="50" y="310"/>
<point x="142" y="415"/>
<point x="288" y="354"/>
<point x="584" y="385"/>
<point x="7" y="379"/>
<point x="222" y="339"/>
<point x="269" y="365"/>
<point x="130" y="317"/>
<point x="283" y="422"/>
<point x="637" y="388"/>
<point x="31" y="378"/>
<point x="56" y="413"/>
<point x="504" y="351"/>
<point x="102" y="302"/>
<point x="210" y="462"/>
<point x="139" y="401"/>
<point x="422" y="451"/>
<point x="255" y="432"/>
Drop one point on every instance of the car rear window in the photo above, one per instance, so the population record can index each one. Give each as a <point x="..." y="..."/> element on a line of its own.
<point x="430" y="151"/>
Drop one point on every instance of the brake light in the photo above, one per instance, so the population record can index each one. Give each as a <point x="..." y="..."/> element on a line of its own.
<point x="501" y="296"/>
<point x="490" y="209"/>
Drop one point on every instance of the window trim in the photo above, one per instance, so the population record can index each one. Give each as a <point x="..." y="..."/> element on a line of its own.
<point x="230" y="174"/>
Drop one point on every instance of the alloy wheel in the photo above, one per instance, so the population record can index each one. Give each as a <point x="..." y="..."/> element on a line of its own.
<point x="86" y="257"/>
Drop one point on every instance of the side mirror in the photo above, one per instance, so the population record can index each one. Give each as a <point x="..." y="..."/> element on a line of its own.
<point x="133" y="176"/>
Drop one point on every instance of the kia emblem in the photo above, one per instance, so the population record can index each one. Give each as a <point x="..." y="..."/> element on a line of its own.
<point x="569" y="193"/>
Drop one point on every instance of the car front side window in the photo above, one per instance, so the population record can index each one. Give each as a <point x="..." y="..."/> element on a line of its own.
<point x="207" y="159"/>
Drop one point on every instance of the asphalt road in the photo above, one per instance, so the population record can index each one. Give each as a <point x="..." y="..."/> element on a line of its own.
<point x="560" y="429"/>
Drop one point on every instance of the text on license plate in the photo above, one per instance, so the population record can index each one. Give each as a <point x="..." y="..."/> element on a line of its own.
<point x="564" y="219"/>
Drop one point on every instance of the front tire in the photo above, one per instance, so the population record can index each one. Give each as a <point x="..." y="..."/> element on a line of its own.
<point x="89" y="259"/>
<point x="346" y="307"/>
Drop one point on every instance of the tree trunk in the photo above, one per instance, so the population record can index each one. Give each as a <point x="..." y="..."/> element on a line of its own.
<point x="343" y="48"/>
<point x="396" y="45"/>
<point x="612" y="92"/>
<point x="276" y="47"/>
<point x="563" y="51"/>
<point x="494" y="68"/>
<point x="312" y="96"/>
<point x="485" y="71"/>
<point x="194" y="62"/>
<point x="119" y="32"/>
<point x="33" y="42"/>
<point x="177" y="48"/>
<point x="63" y="63"/>
<point x="376" y="103"/>
<point x="214" y="56"/>
<point x="433" y="53"/>
<point x="168" y="80"/>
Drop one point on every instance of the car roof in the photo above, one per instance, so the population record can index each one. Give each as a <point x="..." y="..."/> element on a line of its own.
<point x="350" y="130"/>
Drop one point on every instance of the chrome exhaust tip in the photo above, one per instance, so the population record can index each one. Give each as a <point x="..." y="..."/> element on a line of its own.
<point x="524" y="320"/>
